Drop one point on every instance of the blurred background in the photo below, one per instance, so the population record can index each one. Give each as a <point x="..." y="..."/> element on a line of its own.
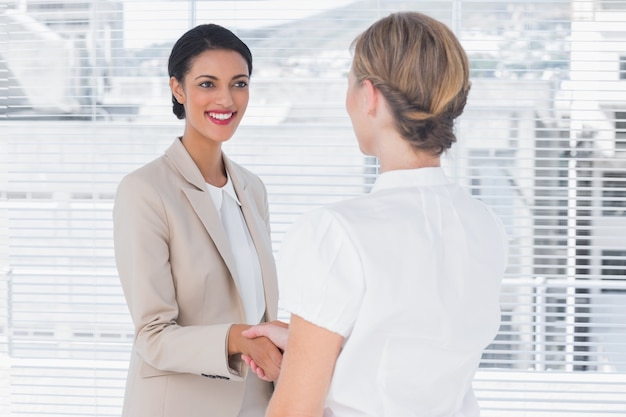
<point x="84" y="99"/>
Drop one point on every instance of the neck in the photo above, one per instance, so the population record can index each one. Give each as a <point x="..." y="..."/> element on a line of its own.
<point x="396" y="153"/>
<point x="409" y="164"/>
<point x="208" y="158"/>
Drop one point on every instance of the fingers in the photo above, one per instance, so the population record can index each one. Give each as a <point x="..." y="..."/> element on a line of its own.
<point x="277" y="333"/>
<point x="264" y="329"/>
<point x="261" y="375"/>
<point x="265" y="344"/>
<point x="254" y="331"/>
<point x="255" y="368"/>
<point x="247" y="359"/>
<point x="265" y="358"/>
<point x="279" y="323"/>
<point x="259" y="371"/>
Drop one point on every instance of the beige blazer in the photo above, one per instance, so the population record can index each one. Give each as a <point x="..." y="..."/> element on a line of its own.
<point x="176" y="268"/>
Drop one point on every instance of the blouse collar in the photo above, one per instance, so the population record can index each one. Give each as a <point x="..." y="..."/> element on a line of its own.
<point x="411" y="178"/>
<point x="217" y="195"/>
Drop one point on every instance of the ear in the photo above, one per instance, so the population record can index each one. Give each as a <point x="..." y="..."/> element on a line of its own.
<point x="372" y="97"/>
<point x="177" y="90"/>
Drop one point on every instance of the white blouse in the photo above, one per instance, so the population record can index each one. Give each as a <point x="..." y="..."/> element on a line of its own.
<point x="410" y="275"/>
<point x="248" y="276"/>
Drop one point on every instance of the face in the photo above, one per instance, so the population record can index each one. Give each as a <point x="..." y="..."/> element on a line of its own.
<point x="215" y="94"/>
<point x="357" y="110"/>
<point x="351" y="94"/>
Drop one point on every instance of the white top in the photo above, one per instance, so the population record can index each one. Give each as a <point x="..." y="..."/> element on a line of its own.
<point x="248" y="277"/>
<point x="410" y="276"/>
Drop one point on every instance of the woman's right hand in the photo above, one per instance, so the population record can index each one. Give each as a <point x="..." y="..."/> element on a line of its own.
<point x="261" y="350"/>
<point x="276" y="331"/>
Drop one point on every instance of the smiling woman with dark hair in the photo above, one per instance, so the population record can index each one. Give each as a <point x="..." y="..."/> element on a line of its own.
<point x="193" y="249"/>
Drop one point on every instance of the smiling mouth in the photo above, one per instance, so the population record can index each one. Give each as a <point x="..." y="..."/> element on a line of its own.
<point x="221" y="116"/>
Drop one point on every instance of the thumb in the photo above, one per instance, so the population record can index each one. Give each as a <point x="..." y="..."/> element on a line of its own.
<point x="253" y="332"/>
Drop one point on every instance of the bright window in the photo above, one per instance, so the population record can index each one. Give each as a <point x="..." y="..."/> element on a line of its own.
<point x="84" y="99"/>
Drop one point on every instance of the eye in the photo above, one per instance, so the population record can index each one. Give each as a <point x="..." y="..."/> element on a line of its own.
<point x="241" y="84"/>
<point x="206" y="84"/>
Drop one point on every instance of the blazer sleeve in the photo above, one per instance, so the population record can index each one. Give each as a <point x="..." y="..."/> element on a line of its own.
<point x="141" y="236"/>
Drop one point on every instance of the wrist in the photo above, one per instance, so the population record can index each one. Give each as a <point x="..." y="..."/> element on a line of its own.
<point x="234" y="338"/>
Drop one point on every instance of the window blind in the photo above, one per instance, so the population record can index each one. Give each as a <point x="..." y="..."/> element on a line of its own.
<point x="84" y="99"/>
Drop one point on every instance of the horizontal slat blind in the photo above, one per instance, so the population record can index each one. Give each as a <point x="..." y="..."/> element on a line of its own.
<point x="84" y="99"/>
<point x="540" y="142"/>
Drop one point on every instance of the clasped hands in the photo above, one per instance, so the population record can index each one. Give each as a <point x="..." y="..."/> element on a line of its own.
<point x="276" y="331"/>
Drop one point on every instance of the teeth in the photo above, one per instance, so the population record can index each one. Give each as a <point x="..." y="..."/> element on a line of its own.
<point x="221" y="116"/>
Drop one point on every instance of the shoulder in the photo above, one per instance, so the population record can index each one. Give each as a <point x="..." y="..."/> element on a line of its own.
<point x="477" y="209"/>
<point x="147" y="171"/>
<point x="145" y="182"/>
<point x="349" y="213"/>
<point x="320" y="272"/>
<point x="353" y="205"/>
<point x="324" y="224"/>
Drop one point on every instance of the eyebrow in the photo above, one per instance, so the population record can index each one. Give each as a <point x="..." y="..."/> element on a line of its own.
<point x="212" y="77"/>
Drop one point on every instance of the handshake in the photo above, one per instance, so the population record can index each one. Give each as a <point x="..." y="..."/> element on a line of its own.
<point x="276" y="331"/>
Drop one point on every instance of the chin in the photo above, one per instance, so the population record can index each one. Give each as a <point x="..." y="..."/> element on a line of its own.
<point x="223" y="136"/>
<point x="365" y="151"/>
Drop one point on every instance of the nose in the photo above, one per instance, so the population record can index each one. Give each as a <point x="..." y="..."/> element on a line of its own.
<point x="224" y="97"/>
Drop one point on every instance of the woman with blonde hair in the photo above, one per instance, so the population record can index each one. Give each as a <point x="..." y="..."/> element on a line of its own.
<point x="395" y="294"/>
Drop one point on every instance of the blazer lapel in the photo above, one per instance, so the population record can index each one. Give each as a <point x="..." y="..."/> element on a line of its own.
<point x="201" y="202"/>
<point x="258" y="233"/>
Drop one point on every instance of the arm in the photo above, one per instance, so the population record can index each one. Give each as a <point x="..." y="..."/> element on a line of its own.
<point x="307" y="370"/>
<point x="142" y="249"/>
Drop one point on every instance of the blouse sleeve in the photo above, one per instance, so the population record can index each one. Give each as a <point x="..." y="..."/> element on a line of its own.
<point x="320" y="273"/>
